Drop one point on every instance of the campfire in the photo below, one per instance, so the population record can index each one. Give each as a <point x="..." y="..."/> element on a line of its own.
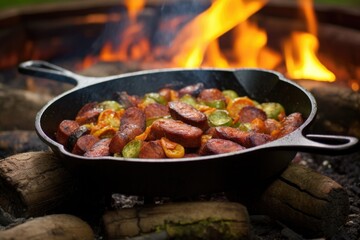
<point x="316" y="196"/>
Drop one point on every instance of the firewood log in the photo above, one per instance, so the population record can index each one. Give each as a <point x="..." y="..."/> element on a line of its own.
<point x="19" y="107"/>
<point x="308" y="202"/>
<point x="183" y="220"/>
<point x="33" y="184"/>
<point x="50" y="227"/>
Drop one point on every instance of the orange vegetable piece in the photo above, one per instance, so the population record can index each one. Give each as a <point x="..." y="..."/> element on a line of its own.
<point x="172" y="149"/>
<point x="237" y="104"/>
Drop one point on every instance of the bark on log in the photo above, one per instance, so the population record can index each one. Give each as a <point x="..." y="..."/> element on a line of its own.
<point x="345" y="119"/>
<point x="51" y="227"/>
<point x="33" y="184"/>
<point x="185" y="220"/>
<point x="19" y="107"/>
<point x="306" y="201"/>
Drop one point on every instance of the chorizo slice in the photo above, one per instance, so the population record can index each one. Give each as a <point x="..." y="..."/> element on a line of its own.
<point x="156" y="110"/>
<point x="89" y="113"/>
<point x="246" y="139"/>
<point x="188" y="114"/>
<point x="152" y="149"/>
<point x="65" y="130"/>
<point x="84" y="144"/>
<point x="81" y="131"/>
<point x="211" y="94"/>
<point x="132" y="123"/>
<point x="127" y="100"/>
<point x="192" y="90"/>
<point x="233" y="134"/>
<point x="176" y="131"/>
<point x="99" y="149"/>
<point x="249" y="113"/>
<point x="290" y="124"/>
<point x="218" y="146"/>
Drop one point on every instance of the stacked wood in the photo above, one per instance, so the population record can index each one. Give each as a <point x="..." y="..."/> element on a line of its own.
<point x="205" y="220"/>
<point x="306" y="201"/>
<point x="19" y="107"/>
<point x="35" y="183"/>
<point x="50" y="227"/>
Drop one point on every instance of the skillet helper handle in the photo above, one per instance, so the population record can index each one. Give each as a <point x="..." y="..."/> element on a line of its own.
<point x="48" y="70"/>
<point x="324" y="144"/>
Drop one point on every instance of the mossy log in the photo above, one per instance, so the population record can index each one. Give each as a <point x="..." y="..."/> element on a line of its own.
<point x="185" y="220"/>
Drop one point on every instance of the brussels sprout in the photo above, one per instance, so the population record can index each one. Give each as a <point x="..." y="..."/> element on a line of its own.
<point x="110" y="104"/>
<point x="273" y="110"/>
<point x="187" y="98"/>
<point x="230" y="94"/>
<point x="219" y="118"/>
<point x="132" y="149"/>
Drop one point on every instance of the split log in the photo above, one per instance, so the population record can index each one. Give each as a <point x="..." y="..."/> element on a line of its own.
<point x="345" y="120"/>
<point x="33" y="184"/>
<point x="51" y="227"/>
<point x="19" y="107"/>
<point x="308" y="202"/>
<point x="185" y="220"/>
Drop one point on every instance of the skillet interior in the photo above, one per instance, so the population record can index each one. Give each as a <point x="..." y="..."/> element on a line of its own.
<point x="169" y="178"/>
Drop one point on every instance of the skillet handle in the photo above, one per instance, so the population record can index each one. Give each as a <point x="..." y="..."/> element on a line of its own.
<point x="48" y="70"/>
<point x="323" y="144"/>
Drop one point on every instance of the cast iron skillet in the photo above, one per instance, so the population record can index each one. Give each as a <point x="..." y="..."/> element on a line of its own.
<point x="188" y="176"/>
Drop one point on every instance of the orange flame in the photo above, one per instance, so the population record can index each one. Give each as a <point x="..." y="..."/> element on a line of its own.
<point x="188" y="49"/>
<point x="197" y="42"/>
<point x="301" y="48"/>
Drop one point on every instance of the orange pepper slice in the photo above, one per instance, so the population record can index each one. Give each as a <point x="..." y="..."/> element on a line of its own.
<point x="172" y="149"/>
<point x="237" y="104"/>
<point x="143" y="135"/>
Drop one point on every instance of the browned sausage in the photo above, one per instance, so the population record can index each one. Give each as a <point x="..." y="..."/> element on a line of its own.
<point x="81" y="131"/>
<point x="188" y="114"/>
<point x="84" y="144"/>
<point x="156" y="110"/>
<point x="99" y="149"/>
<point x="151" y="149"/>
<point x="290" y="123"/>
<point x="127" y="100"/>
<point x="211" y="94"/>
<point x="257" y="139"/>
<point x="233" y="134"/>
<point x="89" y="113"/>
<point x="132" y="123"/>
<point x="135" y="116"/>
<point x="249" y="113"/>
<point x="192" y="90"/>
<point x="218" y="146"/>
<point x="176" y="131"/>
<point x="64" y="131"/>
<point x="246" y="139"/>
<point x="272" y="126"/>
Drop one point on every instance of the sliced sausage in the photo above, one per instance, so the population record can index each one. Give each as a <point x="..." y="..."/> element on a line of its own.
<point x="81" y="131"/>
<point x="132" y="123"/>
<point x="233" y="134"/>
<point x="127" y="100"/>
<point x="89" y="113"/>
<point x="176" y="131"/>
<point x="84" y="144"/>
<point x="211" y="94"/>
<point x="156" y="110"/>
<point x="135" y="116"/>
<point x="272" y="126"/>
<point x="152" y="149"/>
<point x="192" y="90"/>
<point x="99" y="149"/>
<point x="65" y="130"/>
<point x="290" y="123"/>
<point x="218" y="146"/>
<point x="249" y="113"/>
<point x="188" y="114"/>
<point x="257" y="139"/>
